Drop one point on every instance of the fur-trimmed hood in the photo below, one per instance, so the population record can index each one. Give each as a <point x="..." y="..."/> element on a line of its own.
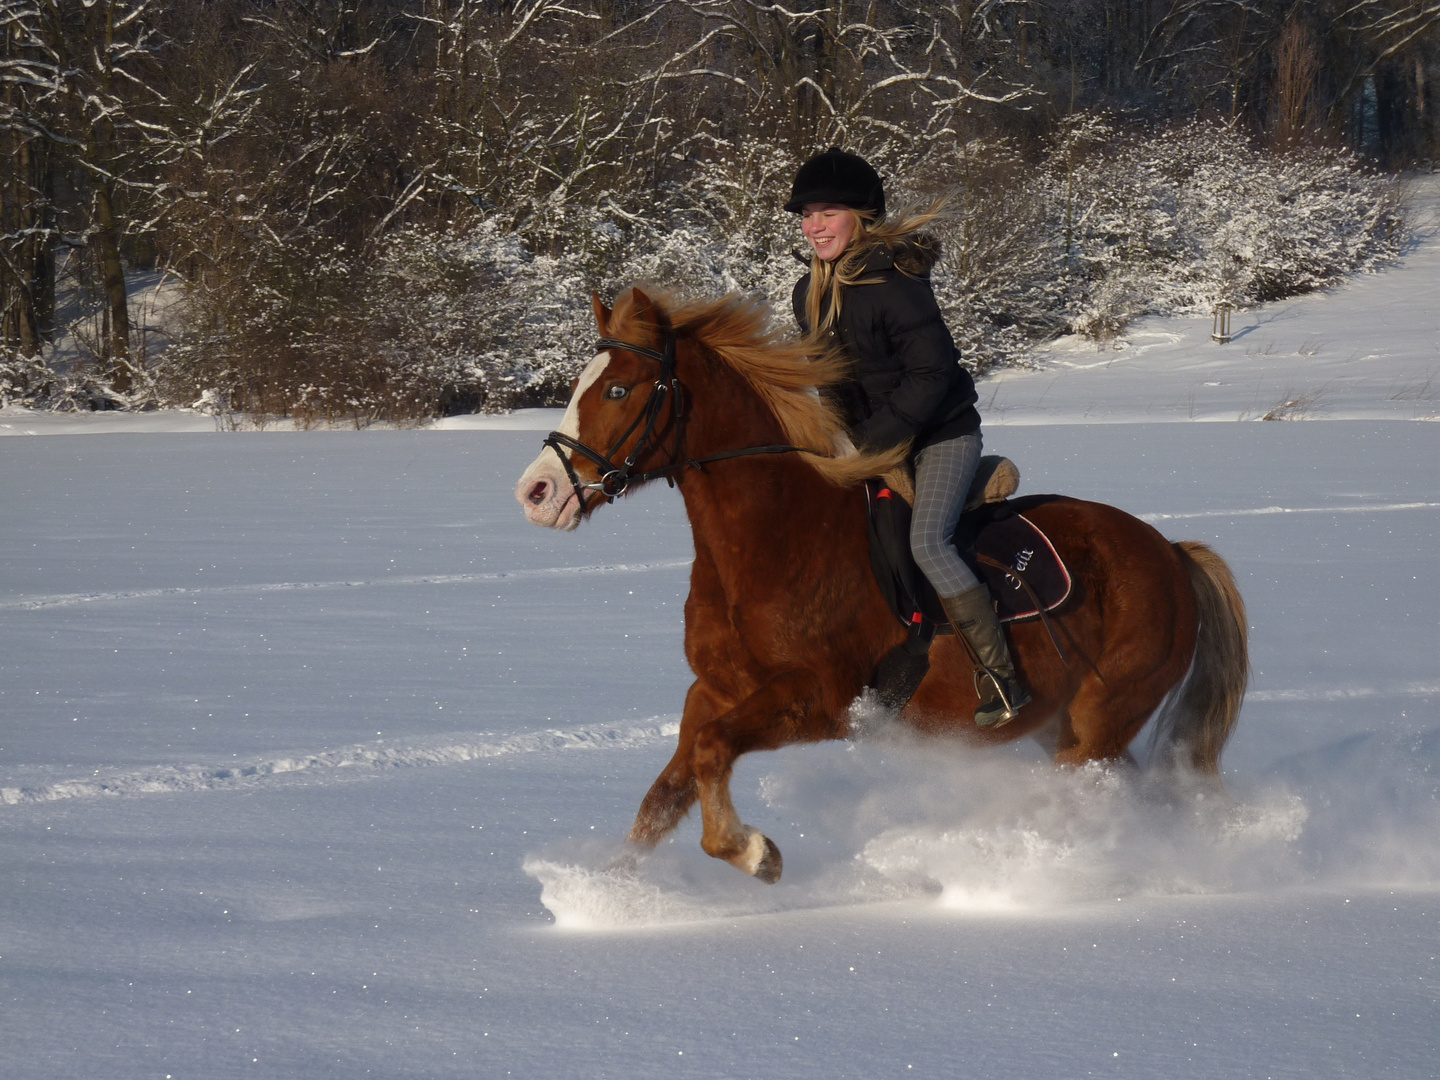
<point x="915" y="255"/>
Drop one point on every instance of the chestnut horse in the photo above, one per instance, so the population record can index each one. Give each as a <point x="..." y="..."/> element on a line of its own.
<point x="785" y="624"/>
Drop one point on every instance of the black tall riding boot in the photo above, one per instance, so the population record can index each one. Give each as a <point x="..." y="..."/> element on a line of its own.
<point x="1001" y="693"/>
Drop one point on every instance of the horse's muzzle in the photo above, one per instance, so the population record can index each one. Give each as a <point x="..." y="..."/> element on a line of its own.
<point x="547" y="497"/>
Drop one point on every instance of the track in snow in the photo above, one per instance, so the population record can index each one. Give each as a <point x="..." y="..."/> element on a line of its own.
<point x="445" y="750"/>
<point x="456" y="749"/>
<point x="37" y="603"/>
<point x="1265" y="511"/>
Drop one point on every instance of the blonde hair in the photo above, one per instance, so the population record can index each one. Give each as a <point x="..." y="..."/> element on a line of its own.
<point x="738" y="331"/>
<point x="828" y="279"/>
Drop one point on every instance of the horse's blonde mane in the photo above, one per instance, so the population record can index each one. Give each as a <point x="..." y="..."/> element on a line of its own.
<point x="787" y="375"/>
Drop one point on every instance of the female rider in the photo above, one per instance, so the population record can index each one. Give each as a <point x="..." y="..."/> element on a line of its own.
<point x="868" y="291"/>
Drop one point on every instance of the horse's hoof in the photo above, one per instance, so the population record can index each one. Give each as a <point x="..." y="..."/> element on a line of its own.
<point x="770" y="866"/>
<point x="627" y="860"/>
<point x="762" y="858"/>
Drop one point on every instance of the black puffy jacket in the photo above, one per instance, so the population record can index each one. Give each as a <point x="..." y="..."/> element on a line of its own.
<point x="906" y="379"/>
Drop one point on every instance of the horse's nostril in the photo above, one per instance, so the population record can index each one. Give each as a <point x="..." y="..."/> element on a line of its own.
<point x="538" y="492"/>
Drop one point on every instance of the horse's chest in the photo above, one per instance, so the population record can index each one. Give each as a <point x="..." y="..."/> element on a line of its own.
<point x="735" y="638"/>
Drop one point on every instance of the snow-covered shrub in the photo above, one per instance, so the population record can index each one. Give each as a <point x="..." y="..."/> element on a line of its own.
<point x="996" y="279"/>
<point x="340" y="338"/>
<point x="68" y="387"/>
<point x="23" y="379"/>
<point x="493" y="312"/>
<point x="1175" y="221"/>
<point x="268" y="320"/>
<point x="484" y="322"/>
<point x="492" y="325"/>
<point x="734" y="199"/>
<point x="1110" y="305"/>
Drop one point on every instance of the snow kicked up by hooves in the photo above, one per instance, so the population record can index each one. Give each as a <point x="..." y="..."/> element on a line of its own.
<point x="966" y="831"/>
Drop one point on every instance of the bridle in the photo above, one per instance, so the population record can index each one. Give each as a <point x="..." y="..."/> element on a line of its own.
<point x="616" y="479"/>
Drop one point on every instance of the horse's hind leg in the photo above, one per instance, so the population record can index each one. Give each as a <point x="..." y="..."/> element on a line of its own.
<point x="1107" y="713"/>
<point x="1099" y="727"/>
<point x="673" y="792"/>
<point x="787" y="708"/>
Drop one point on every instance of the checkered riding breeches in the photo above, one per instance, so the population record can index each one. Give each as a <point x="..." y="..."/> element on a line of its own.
<point x="943" y="472"/>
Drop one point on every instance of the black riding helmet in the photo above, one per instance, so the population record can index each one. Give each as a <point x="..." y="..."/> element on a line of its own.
<point x="841" y="178"/>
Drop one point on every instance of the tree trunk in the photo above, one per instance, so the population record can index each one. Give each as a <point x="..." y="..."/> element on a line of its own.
<point x="112" y="278"/>
<point x="19" y="221"/>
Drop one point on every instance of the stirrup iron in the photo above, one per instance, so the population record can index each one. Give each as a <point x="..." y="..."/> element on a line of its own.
<point x="1001" y="698"/>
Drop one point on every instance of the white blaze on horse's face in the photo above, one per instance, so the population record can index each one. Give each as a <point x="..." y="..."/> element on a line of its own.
<point x="545" y="491"/>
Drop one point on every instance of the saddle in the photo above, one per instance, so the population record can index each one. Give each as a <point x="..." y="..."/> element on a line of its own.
<point x="1005" y="550"/>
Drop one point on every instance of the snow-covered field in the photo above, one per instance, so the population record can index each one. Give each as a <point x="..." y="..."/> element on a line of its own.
<point x="311" y="751"/>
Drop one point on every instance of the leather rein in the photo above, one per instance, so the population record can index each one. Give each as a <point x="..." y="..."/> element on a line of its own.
<point x="616" y="479"/>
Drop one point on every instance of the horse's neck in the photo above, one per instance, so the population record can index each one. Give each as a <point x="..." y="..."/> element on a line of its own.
<point x="766" y="499"/>
<point x="756" y="514"/>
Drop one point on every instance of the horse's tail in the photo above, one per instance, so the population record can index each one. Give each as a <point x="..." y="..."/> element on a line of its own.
<point x="1200" y="716"/>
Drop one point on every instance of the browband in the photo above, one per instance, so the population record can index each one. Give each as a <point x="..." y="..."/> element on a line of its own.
<point x="668" y="356"/>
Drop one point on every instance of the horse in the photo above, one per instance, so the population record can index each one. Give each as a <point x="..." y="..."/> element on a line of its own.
<point x="785" y="624"/>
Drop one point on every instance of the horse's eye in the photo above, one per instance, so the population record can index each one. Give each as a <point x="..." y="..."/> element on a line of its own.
<point x="616" y="392"/>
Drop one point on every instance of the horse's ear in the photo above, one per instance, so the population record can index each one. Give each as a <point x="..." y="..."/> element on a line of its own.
<point x="602" y="314"/>
<point x="643" y="307"/>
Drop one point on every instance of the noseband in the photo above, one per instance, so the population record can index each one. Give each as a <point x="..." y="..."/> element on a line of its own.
<point x="616" y="479"/>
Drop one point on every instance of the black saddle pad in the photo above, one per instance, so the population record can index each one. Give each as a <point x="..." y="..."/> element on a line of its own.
<point x="1007" y="552"/>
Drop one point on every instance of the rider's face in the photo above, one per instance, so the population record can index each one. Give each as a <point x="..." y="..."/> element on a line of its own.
<point x="829" y="227"/>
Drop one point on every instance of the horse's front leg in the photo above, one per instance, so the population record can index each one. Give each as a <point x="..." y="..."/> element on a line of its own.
<point x="673" y="793"/>
<point x="787" y="708"/>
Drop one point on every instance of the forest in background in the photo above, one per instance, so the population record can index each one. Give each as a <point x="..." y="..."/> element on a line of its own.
<point x="395" y="209"/>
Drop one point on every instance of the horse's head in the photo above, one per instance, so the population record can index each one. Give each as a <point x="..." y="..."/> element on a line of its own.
<point x="621" y="411"/>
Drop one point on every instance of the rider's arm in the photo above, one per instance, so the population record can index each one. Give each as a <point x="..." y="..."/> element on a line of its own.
<point x="923" y="353"/>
